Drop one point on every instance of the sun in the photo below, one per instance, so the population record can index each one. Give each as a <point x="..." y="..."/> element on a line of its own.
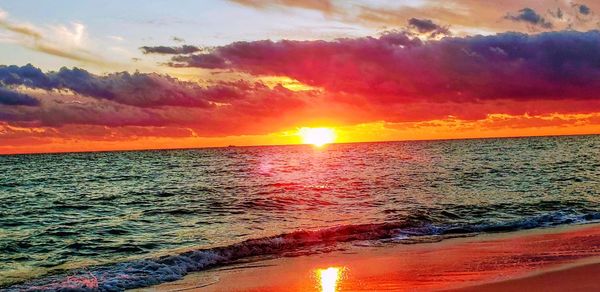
<point x="317" y="136"/>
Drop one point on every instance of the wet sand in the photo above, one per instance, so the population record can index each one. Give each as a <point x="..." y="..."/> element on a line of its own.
<point x="585" y="277"/>
<point x="551" y="259"/>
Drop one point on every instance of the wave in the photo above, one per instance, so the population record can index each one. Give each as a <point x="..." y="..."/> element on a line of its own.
<point x="152" y="271"/>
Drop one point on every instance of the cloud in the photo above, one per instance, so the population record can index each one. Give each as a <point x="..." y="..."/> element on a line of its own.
<point x="584" y="9"/>
<point x="530" y="16"/>
<point x="426" y="26"/>
<point x="185" y="49"/>
<point x="394" y="68"/>
<point x="393" y="78"/>
<point x="466" y="16"/>
<point x="261" y="111"/>
<point x="137" y="89"/>
<point x="409" y="76"/>
<point x="73" y="35"/>
<point x="9" y="97"/>
<point x="207" y="61"/>
<point x="325" y="6"/>
<point x="21" y="29"/>
<point x="91" y="132"/>
<point x="77" y="97"/>
<point x="60" y="40"/>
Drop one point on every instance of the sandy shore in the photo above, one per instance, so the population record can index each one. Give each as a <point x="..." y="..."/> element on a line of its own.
<point x="552" y="259"/>
<point x="584" y="277"/>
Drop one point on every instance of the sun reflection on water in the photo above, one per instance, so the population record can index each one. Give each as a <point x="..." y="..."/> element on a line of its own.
<point x="329" y="278"/>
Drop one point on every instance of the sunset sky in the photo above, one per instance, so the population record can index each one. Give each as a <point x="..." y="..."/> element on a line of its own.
<point x="112" y="75"/>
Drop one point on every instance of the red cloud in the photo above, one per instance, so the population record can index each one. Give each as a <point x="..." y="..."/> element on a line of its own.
<point x="394" y="68"/>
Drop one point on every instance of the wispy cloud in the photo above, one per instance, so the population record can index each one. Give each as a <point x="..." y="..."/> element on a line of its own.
<point x="465" y="15"/>
<point x="531" y="17"/>
<point x="164" y="50"/>
<point x="326" y="6"/>
<point x="65" y="41"/>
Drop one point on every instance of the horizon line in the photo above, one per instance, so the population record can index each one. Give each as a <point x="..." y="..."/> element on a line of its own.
<point x="299" y="144"/>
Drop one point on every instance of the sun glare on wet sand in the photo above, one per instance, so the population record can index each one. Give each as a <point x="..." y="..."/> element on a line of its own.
<point x="317" y="136"/>
<point x="329" y="278"/>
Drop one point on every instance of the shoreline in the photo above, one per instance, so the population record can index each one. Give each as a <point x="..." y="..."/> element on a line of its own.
<point x="575" y="277"/>
<point x="486" y="262"/>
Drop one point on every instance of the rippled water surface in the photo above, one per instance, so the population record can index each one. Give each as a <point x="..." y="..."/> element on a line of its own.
<point x="63" y="211"/>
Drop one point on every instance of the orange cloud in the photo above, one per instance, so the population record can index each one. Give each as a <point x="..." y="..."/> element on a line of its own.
<point x="99" y="138"/>
<point x="465" y="16"/>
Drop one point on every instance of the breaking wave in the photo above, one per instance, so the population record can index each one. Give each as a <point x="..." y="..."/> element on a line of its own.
<point x="151" y="271"/>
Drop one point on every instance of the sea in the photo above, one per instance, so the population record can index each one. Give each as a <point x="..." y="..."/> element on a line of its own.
<point x="111" y="221"/>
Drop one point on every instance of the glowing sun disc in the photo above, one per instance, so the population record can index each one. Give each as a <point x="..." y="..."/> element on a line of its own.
<point x="317" y="136"/>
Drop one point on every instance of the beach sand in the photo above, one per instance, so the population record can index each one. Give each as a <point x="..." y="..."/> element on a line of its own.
<point x="585" y="277"/>
<point x="550" y="259"/>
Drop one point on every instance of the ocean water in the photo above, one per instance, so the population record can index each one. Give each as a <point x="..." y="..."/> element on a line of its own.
<point x="116" y="220"/>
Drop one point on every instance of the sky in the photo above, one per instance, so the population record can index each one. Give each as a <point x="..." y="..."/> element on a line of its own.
<point x="119" y="75"/>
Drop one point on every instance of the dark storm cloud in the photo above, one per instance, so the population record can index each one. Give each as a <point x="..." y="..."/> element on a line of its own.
<point x="530" y="16"/>
<point x="164" y="50"/>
